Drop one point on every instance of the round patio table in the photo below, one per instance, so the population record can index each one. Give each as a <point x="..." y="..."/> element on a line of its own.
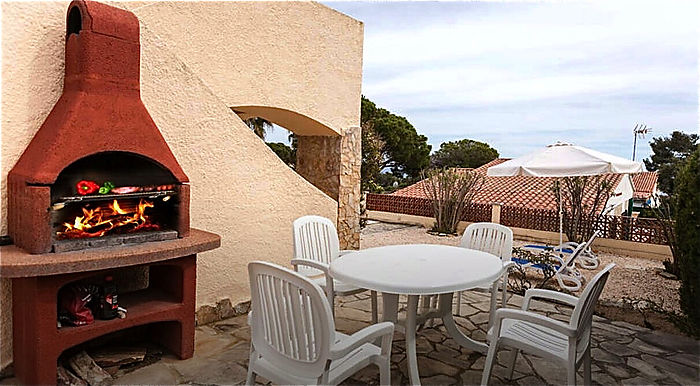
<point x="415" y="270"/>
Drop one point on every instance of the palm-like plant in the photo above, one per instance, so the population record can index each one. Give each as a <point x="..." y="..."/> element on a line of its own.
<point x="260" y="126"/>
<point x="450" y="192"/>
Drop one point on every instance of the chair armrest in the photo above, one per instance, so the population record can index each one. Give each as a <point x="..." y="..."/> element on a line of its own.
<point x="366" y="335"/>
<point x="507" y="265"/>
<point x="548" y="294"/>
<point x="527" y="316"/>
<point x="344" y="252"/>
<point x="312" y="263"/>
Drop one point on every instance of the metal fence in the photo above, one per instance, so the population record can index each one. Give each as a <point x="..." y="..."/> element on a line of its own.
<point x="641" y="230"/>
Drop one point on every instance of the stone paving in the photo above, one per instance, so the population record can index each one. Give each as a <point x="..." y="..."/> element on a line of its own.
<point x="622" y="353"/>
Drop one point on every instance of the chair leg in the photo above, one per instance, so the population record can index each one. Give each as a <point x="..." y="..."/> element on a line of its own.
<point x="587" y="366"/>
<point x="250" y="378"/>
<point x="490" y="358"/>
<point x="459" y="303"/>
<point x="511" y="367"/>
<point x="571" y="374"/>
<point x="504" y="296"/>
<point x="492" y="308"/>
<point x="373" y="299"/>
<point x="433" y="305"/>
<point x="331" y="301"/>
<point x="330" y="294"/>
<point x="384" y="372"/>
<point x="424" y="307"/>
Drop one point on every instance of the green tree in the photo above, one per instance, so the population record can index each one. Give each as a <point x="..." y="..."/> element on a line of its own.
<point x="465" y="153"/>
<point x="405" y="152"/>
<point x="668" y="153"/>
<point x="260" y="126"/>
<point x="286" y="153"/>
<point x="372" y="158"/>
<point x="687" y="215"/>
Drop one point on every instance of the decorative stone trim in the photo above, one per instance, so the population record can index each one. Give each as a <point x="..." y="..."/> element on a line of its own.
<point x="222" y="310"/>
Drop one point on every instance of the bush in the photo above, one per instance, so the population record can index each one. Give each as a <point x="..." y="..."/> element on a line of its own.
<point x="687" y="212"/>
<point x="583" y="200"/>
<point x="450" y="192"/>
<point x="519" y="281"/>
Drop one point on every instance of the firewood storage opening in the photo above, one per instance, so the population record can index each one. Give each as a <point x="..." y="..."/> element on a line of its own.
<point x="104" y="297"/>
<point x="100" y="360"/>
<point x="113" y="198"/>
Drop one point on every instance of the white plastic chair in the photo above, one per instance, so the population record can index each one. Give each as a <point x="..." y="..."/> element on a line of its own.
<point x="497" y="240"/>
<point x="315" y="247"/>
<point x="293" y="337"/>
<point x="568" y="344"/>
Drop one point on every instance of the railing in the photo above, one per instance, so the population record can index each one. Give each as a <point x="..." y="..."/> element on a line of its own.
<point x="642" y="230"/>
<point x="418" y="206"/>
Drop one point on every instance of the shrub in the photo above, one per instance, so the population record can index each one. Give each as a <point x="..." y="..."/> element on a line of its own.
<point x="687" y="211"/>
<point x="584" y="198"/>
<point x="450" y="192"/>
<point x="519" y="281"/>
<point x="665" y="215"/>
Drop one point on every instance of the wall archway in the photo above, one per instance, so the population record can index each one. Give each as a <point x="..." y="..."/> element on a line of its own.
<point x="293" y="121"/>
<point x="328" y="158"/>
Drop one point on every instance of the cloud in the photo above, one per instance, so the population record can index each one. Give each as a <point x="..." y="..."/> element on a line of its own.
<point x="585" y="72"/>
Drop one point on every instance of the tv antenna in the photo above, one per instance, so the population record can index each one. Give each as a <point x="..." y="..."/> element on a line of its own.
<point x="639" y="130"/>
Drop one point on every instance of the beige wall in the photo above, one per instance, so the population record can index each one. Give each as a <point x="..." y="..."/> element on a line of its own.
<point x="302" y="56"/>
<point x="240" y="189"/>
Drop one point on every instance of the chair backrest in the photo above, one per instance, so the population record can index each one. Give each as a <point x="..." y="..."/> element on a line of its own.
<point x="492" y="238"/>
<point x="570" y="262"/>
<point x="291" y="325"/>
<point x="582" y="315"/>
<point x="315" y="238"/>
<point x="592" y="239"/>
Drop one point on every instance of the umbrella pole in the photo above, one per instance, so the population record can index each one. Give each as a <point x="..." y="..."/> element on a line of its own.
<point x="561" y="222"/>
<point x="561" y="217"/>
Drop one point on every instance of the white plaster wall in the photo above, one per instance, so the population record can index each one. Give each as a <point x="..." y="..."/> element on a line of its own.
<point x="621" y="196"/>
<point x="300" y="56"/>
<point x="240" y="189"/>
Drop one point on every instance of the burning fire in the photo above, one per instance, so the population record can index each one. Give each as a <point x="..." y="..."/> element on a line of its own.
<point x="109" y="219"/>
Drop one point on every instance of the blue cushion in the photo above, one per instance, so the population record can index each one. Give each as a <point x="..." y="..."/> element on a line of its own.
<point x="529" y="264"/>
<point x="548" y="248"/>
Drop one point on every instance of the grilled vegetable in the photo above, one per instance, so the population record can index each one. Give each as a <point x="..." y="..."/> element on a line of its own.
<point x="85" y="187"/>
<point x="106" y="187"/>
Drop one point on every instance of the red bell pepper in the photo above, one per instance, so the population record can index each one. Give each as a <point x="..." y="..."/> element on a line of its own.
<point x="87" y="187"/>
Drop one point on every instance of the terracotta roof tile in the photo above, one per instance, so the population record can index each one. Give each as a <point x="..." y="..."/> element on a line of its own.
<point x="644" y="184"/>
<point x="522" y="191"/>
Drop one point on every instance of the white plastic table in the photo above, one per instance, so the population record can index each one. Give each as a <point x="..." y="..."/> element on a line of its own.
<point x="415" y="270"/>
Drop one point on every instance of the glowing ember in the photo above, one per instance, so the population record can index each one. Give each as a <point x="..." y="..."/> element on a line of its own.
<point x="113" y="218"/>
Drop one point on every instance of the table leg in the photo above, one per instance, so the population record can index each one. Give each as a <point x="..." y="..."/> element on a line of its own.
<point x="411" y="312"/>
<point x="445" y="308"/>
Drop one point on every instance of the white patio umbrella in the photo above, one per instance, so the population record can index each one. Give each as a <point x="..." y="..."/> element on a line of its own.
<point x="564" y="160"/>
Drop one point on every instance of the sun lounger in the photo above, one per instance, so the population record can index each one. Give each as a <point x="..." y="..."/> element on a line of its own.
<point x="587" y="258"/>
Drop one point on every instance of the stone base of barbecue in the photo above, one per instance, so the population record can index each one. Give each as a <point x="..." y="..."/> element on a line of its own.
<point x="112" y="240"/>
<point x="166" y="307"/>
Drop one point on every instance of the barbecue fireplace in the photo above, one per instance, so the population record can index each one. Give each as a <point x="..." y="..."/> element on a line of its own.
<point x="98" y="173"/>
<point x="99" y="132"/>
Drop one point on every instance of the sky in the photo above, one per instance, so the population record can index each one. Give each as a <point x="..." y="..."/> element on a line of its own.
<point x="521" y="75"/>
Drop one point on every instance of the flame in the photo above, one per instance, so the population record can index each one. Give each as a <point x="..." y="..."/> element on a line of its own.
<point x="112" y="218"/>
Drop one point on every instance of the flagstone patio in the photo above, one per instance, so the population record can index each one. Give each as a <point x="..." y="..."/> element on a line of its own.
<point x="622" y="353"/>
